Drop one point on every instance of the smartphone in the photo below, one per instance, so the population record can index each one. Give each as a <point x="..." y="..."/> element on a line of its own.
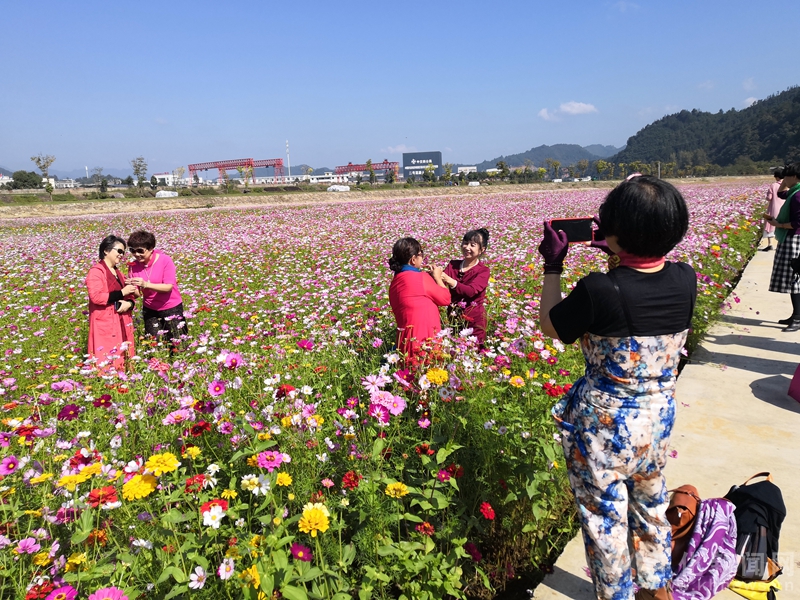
<point x="117" y="305"/>
<point x="579" y="229"/>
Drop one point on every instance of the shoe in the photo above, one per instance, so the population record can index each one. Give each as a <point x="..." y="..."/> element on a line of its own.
<point x="793" y="326"/>
<point x="767" y="249"/>
<point x="785" y="321"/>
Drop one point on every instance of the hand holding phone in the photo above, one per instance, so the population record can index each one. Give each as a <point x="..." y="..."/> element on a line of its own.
<point x="579" y="230"/>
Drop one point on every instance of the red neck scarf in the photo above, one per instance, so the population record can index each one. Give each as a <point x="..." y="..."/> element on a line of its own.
<point x="626" y="259"/>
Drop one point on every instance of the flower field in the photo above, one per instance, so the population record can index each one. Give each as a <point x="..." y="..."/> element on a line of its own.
<point x="286" y="452"/>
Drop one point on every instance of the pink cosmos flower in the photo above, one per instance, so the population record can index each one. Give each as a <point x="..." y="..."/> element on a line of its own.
<point x="233" y="360"/>
<point x="109" y="593"/>
<point x="9" y="465"/>
<point x="305" y="345"/>
<point x="216" y="388"/>
<point x="424" y="423"/>
<point x="443" y="475"/>
<point x="226" y="569"/>
<point x="28" y="545"/>
<point x="328" y="483"/>
<point x="380" y="413"/>
<point x="178" y="416"/>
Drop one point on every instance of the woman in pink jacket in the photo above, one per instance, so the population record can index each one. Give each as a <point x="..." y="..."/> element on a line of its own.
<point x="111" y="303"/>
<point x="774" y="205"/>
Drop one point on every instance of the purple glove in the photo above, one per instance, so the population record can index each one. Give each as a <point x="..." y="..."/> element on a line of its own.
<point x="600" y="244"/>
<point x="554" y="248"/>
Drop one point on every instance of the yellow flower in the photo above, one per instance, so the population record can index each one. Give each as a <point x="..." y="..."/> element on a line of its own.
<point x="139" y="486"/>
<point x="32" y="513"/>
<point x="283" y="479"/>
<point x="437" y="376"/>
<point x="264" y="436"/>
<point x="74" y="561"/>
<point x="396" y="490"/>
<point x="92" y="469"/>
<point x="314" y="519"/>
<point x="249" y="482"/>
<point x="40" y="478"/>
<point x="70" y="482"/>
<point x="192" y="452"/>
<point x="250" y="577"/>
<point x="229" y="494"/>
<point x="42" y="559"/>
<point x="291" y="496"/>
<point x="277" y="521"/>
<point x="286" y="422"/>
<point x="517" y="381"/>
<point x="158" y="464"/>
<point x="252" y="461"/>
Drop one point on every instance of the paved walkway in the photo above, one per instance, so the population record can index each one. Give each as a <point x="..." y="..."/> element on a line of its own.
<point x="734" y="420"/>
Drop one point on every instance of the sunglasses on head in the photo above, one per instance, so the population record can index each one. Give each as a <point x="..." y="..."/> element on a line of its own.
<point x="138" y="250"/>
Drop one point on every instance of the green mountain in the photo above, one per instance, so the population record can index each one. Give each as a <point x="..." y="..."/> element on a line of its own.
<point x="566" y="154"/>
<point x="769" y="130"/>
<point x="6" y="172"/>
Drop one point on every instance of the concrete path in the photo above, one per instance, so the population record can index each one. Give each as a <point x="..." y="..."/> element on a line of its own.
<point x="734" y="420"/>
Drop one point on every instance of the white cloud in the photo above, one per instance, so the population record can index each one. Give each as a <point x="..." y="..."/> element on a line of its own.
<point x="577" y="108"/>
<point x="399" y="149"/>
<point x="750" y="101"/>
<point x="567" y="108"/>
<point x="624" y="6"/>
<point x="707" y="85"/>
<point x="748" y="84"/>
<point x="546" y="115"/>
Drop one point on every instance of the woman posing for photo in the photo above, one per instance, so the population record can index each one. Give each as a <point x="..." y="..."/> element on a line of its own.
<point x="468" y="279"/>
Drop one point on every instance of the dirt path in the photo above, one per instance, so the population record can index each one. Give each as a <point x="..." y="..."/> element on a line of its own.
<point x="136" y="205"/>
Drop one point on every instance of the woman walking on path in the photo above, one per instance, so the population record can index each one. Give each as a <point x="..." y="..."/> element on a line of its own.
<point x="153" y="272"/>
<point x="110" y="307"/>
<point x="616" y="420"/>
<point x="415" y="297"/>
<point x="787" y="230"/>
<point x="468" y="279"/>
<point x="774" y="204"/>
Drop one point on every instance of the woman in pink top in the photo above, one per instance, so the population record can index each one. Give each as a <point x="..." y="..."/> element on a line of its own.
<point x="415" y="297"/>
<point x="153" y="272"/>
<point x="773" y="208"/>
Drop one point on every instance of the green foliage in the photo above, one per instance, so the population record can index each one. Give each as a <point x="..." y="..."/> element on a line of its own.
<point x="24" y="180"/>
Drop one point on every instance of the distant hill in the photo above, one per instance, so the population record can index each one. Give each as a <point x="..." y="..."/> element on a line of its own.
<point x="769" y="130"/>
<point x="566" y="154"/>
<point x="602" y="151"/>
<point x="7" y="172"/>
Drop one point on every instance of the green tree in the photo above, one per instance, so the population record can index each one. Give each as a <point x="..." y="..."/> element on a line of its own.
<point x="26" y="180"/>
<point x="153" y="182"/>
<point x="43" y="162"/>
<point x="448" y="171"/>
<point x="128" y="181"/>
<point x="430" y="173"/>
<point x="97" y="175"/>
<point x="139" y="166"/>
<point x="583" y="165"/>
<point x="556" y="169"/>
<point x="103" y="185"/>
<point x="370" y="171"/>
<point x="504" y="170"/>
<point x="49" y="189"/>
<point x="601" y="166"/>
<point x="389" y="176"/>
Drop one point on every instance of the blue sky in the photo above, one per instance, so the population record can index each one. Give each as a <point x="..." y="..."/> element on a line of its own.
<point x="98" y="83"/>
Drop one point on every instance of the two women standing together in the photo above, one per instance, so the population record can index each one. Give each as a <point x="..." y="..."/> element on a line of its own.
<point x="416" y="295"/>
<point x="112" y="297"/>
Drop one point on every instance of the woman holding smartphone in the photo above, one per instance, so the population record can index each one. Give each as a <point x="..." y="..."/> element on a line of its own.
<point x="616" y="420"/>
<point x="111" y="302"/>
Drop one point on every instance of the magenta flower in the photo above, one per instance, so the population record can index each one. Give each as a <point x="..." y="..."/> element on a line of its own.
<point x="443" y="475"/>
<point x="109" y="593"/>
<point x="65" y="592"/>
<point x="305" y="345"/>
<point x="270" y="460"/>
<point x="300" y="552"/>
<point x="216" y="388"/>
<point x="424" y="423"/>
<point x="233" y="360"/>
<point x="178" y="416"/>
<point x="327" y="482"/>
<point x="69" y="412"/>
<point x="9" y="465"/>
<point x="28" y="545"/>
<point x="380" y="413"/>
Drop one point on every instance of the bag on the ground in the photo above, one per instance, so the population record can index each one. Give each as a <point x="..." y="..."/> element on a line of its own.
<point x="703" y="544"/>
<point x="756" y="590"/>
<point x="759" y="515"/>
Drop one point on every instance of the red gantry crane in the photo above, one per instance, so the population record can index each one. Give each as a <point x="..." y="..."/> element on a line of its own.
<point x="246" y="163"/>
<point x="382" y="166"/>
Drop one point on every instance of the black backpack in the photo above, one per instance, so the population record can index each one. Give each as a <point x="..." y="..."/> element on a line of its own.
<point x="759" y="514"/>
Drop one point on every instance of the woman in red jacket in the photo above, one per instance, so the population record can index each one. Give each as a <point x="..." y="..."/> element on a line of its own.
<point x="110" y="307"/>
<point x="415" y="297"/>
<point x="468" y="279"/>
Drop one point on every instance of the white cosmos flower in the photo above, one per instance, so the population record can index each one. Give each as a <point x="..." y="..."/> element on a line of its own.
<point x="213" y="516"/>
<point x="197" y="579"/>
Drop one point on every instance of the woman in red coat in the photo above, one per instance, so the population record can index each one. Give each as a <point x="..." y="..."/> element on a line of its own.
<point x="110" y="307"/>
<point x="468" y="279"/>
<point x="415" y="297"/>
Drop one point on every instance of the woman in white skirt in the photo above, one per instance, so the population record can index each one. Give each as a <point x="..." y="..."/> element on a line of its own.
<point x="774" y="204"/>
<point x="787" y="231"/>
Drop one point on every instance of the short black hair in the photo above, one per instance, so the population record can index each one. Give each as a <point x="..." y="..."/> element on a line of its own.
<point x="403" y="251"/>
<point x="778" y="173"/>
<point x="791" y="170"/>
<point x="647" y="215"/>
<point x="142" y="239"/>
<point x="108" y="243"/>
<point x="477" y="235"/>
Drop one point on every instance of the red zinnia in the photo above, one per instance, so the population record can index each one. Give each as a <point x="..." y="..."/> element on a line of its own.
<point x="103" y="495"/>
<point x="283" y="390"/>
<point x="425" y="528"/>
<point x="219" y="502"/>
<point x="487" y="511"/>
<point x="350" y="480"/>
<point x="200" y="428"/>
<point x="40" y="591"/>
<point x="194" y="484"/>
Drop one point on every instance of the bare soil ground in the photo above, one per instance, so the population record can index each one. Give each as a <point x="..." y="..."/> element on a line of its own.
<point x="136" y="205"/>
